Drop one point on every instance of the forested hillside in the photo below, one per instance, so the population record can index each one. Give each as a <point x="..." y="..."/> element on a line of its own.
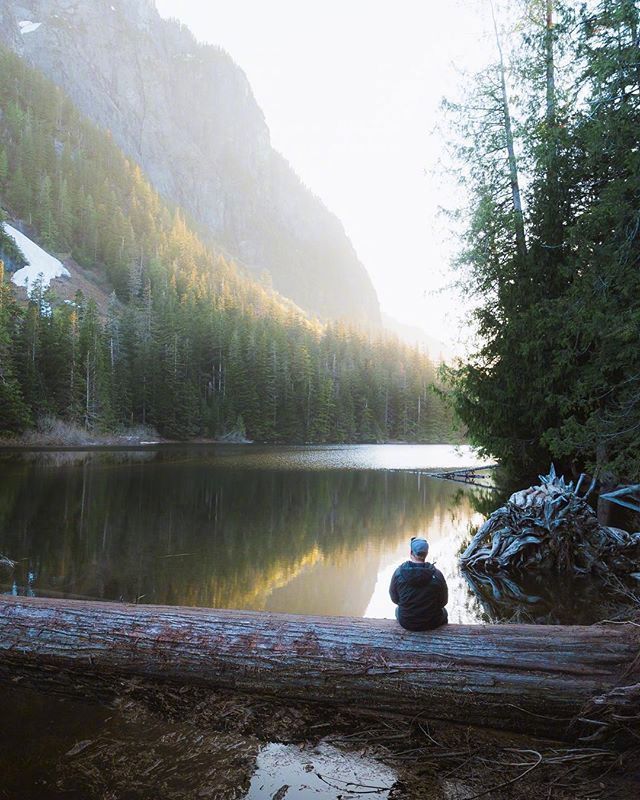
<point x="186" y="114"/>
<point x="188" y="344"/>
<point x="548" y="145"/>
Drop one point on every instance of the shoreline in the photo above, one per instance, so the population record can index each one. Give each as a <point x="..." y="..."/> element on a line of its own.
<point x="13" y="446"/>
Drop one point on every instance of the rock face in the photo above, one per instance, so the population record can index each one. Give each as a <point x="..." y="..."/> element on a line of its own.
<point x="186" y="114"/>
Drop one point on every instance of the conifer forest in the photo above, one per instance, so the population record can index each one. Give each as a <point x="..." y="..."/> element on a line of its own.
<point x="319" y="399"/>
<point x="547" y="148"/>
<point x="188" y="343"/>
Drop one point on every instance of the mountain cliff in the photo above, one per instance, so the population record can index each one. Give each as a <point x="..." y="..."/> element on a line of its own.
<point x="186" y="114"/>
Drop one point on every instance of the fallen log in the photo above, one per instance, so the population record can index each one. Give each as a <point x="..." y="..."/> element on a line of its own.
<point x="471" y="475"/>
<point x="527" y="678"/>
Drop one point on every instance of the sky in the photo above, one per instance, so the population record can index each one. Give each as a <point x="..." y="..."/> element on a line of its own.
<point x="351" y="91"/>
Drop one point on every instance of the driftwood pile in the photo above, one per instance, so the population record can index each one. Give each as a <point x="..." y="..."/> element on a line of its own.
<point x="551" y="527"/>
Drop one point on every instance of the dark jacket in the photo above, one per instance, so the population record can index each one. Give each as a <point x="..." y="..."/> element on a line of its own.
<point x="420" y="592"/>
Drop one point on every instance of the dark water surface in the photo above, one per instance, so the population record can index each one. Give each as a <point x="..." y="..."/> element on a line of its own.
<point x="309" y="530"/>
<point x="301" y="530"/>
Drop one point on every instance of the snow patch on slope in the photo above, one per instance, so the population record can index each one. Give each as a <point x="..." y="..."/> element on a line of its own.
<point x="26" y="26"/>
<point x="41" y="264"/>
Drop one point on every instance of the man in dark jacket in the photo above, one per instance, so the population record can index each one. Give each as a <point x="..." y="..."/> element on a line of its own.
<point x="419" y="590"/>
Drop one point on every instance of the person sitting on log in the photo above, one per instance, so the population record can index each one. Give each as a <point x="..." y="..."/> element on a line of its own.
<point x="419" y="590"/>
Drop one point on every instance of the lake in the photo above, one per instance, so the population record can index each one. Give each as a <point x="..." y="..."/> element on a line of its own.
<point x="305" y="530"/>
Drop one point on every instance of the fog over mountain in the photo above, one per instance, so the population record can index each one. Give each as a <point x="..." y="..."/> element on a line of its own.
<point x="186" y="114"/>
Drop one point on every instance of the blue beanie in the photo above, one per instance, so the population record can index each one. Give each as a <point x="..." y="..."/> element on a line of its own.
<point x="419" y="547"/>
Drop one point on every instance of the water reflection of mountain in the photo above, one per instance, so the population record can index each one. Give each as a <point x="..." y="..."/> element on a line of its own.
<point x="183" y="530"/>
<point x="335" y="586"/>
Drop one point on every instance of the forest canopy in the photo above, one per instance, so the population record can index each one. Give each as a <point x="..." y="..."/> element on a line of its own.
<point x="547" y="148"/>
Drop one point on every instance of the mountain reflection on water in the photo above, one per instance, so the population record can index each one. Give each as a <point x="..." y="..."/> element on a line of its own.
<point x="300" y="530"/>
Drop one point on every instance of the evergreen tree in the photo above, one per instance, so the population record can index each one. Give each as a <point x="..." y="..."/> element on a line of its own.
<point x="555" y="375"/>
<point x="4" y="168"/>
<point x="14" y="413"/>
<point x="187" y="342"/>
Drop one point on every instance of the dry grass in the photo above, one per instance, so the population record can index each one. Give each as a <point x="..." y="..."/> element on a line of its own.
<point x="53" y="432"/>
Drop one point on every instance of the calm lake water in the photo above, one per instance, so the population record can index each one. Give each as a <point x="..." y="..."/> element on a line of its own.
<point x="308" y="530"/>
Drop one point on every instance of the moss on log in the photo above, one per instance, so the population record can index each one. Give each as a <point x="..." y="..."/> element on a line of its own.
<point x="533" y="679"/>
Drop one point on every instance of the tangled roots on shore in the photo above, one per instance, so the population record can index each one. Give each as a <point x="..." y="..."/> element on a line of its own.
<point x="551" y="527"/>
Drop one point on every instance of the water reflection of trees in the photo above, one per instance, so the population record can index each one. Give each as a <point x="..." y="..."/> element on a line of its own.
<point x="188" y="532"/>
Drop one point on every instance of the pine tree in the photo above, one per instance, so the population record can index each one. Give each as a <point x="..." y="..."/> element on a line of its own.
<point x="189" y="342"/>
<point x="4" y="168"/>
<point x="44" y="214"/>
<point x="556" y="375"/>
<point x="600" y="420"/>
<point x="14" y="413"/>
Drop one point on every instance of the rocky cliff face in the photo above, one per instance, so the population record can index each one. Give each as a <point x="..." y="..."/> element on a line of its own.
<point x="186" y="113"/>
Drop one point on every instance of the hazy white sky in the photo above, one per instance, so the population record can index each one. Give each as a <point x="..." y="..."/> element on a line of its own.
<point x="351" y="91"/>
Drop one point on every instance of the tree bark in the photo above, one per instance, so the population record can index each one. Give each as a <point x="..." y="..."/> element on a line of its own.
<point x="521" y="242"/>
<point x="550" y="65"/>
<point x="533" y="679"/>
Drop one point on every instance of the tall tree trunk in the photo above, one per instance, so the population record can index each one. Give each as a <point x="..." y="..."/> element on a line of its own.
<point x="518" y="217"/>
<point x="553" y="232"/>
<point x="550" y="65"/>
<point x="635" y="37"/>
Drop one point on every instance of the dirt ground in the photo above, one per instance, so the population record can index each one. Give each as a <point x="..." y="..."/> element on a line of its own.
<point x="187" y="743"/>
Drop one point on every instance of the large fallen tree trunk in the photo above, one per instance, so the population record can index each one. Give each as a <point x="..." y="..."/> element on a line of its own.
<point x="526" y="678"/>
